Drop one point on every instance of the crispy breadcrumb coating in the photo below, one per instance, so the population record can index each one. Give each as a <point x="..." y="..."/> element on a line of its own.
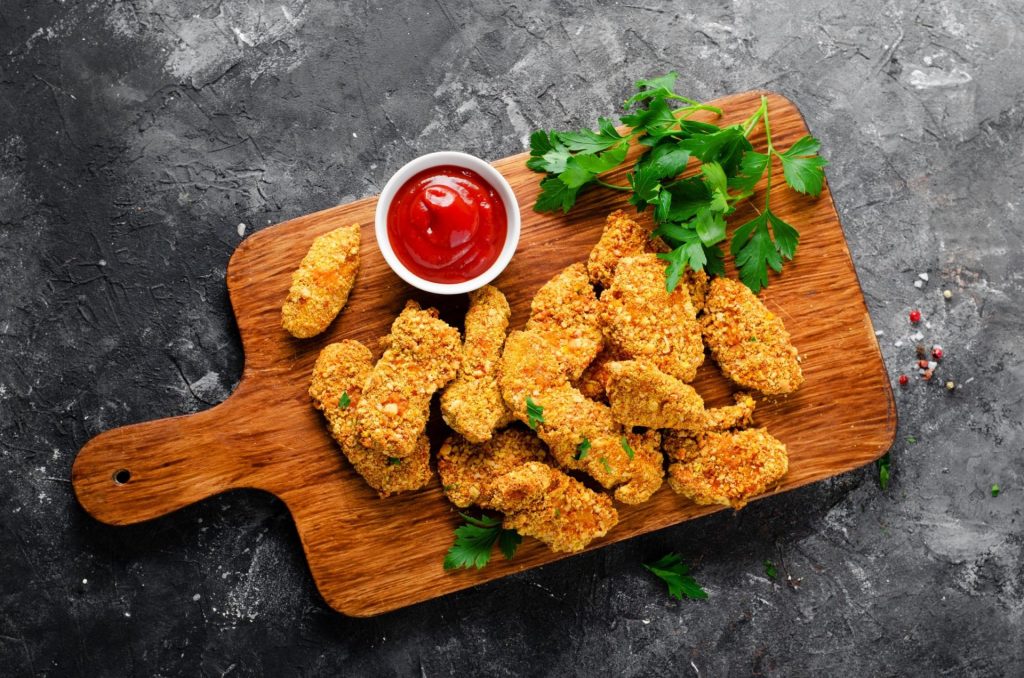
<point x="697" y="283"/>
<point x="541" y="502"/>
<point x="728" y="468"/>
<point x="467" y="469"/>
<point x="565" y="312"/>
<point x="739" y="415"/>
<point x="472" y="404"/>
<point x="623" y="236"/>
<point x="642" y="395"/>
<point x="339" y="374"/>
<point x="423" y="354"/>
<point x="644" y="321"/>
<point x="593" y="382"/>
<point x="749" y="342"/>
<point x="529" y="369"/>
<point x="321" y="284"/>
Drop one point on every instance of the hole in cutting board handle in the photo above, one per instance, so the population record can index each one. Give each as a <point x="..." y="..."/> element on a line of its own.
<point x="122" y="476"/>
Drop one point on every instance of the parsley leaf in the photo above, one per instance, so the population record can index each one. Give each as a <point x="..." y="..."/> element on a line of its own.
<point x="671" y="570"/>
<point x="344" y="401"/>
<point x="583" y="449"/>
<point x="592" y="142"/>
<point x="555" y="195"/>
<point x="604" y="462"/>
<point x="394" y="461"/>
<point x="770" y="570"/>
<point x="883" y="471"/>
<point x="474" y="541"/>
<point x="754" y="250"/>
<point x="995" y="490"/>
<point x="547" y="153"/>
<point x="534" y="413"/>
<point x="625" y="446"/>
<point x="802" y="167"/>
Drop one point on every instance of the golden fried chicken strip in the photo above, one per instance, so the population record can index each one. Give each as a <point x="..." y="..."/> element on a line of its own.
<point x="542" y="502"/>
<point x="594" y="380"/>
<point x="697" y="283"/>
<point x="623" y="236"/>
<point x="739" y="415"/>
<point x="642" y="395"/>
<point x="321" y="284"/>
<point x="529" y="369"/>
<point x="336" y="389"/>
<point x="565" y="312"/>
<point x="423" y="354"/>
<point x="467" y="469"/>
<point x="749" y="342"/>
<point x="472" y="404"/>
<point x="644" y="321"/>
<point x="726" y="468"/>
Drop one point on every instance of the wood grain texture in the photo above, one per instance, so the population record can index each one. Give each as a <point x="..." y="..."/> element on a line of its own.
<point x="267" y="435"/>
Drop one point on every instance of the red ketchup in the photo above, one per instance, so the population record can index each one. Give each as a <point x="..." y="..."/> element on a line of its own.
<point x="447" y="224"/>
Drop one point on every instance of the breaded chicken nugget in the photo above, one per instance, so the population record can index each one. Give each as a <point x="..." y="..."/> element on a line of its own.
<point x="749" y="342"/>
<point x="697" y="283"/>
<point x="581" y="433"/>
<point x="642" y="395"/>
<point x="644" y="321"/>
<point x="467" y="469"/>
<point x="565" y="312"/>
<point x="423" y="354"/>
<point x="623" y="236"/>
<point x="539" y="501"/>
<point x="336" y="389"/>
<point x="739" y="415"/>
<point x="321" y="284"/>
<point x="726" y="468"/>
<point x="472" y="404"/>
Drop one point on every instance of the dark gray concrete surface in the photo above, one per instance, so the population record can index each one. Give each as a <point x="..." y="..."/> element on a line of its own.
<point x="140" y="141"/>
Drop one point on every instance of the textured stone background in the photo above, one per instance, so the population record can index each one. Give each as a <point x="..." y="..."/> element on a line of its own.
<point x="141" y="141"/>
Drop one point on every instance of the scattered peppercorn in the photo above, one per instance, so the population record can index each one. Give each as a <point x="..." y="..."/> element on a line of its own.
<point x="947" y="294"/>
<point x="915" y="316"/>
<point x="950" y="386"/>
<point x="937" y="352"/>
<point x="923" y="364"/>
<point x="904" y="379"/>
<point x="927" y="376"/>
<point x="921" y="353"/>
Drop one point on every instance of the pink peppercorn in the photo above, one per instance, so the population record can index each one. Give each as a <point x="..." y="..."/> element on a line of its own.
<point x="915" y="316"/>
<point x="904" y="379"/>
<point x="937" y="352"/>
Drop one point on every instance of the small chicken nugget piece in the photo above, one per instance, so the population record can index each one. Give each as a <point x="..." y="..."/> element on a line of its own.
<point x="642" y="395"/>
<point x="749" y="342"/>
<point x="644" y="321"/>
<point x="739" y="415"/>
<point x="594" y="380"/>
<point x="336" y="388"/>
<point x="623" y="236"/>
<point x="570" y="421"/>
<point x="423" y="354"/>
<point x="697" y="283"/>
<point x="646" y="467"/>
<point x="467" y="469"/>
<point x="472" y="404"/>
<point x="541" y="502"/>
<point x="566" y="313"/>
<point x="321" y="284"/>
<point x="727" y="468"/>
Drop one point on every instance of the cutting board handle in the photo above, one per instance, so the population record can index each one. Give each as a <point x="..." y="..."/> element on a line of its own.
<point x="143" y="471"/>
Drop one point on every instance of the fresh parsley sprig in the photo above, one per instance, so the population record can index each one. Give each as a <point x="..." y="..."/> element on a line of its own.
<point x="475" y="539"/>
<point x="534" y="413"/>
<point x="690" y="213"/>
<point x="671" y="570"/>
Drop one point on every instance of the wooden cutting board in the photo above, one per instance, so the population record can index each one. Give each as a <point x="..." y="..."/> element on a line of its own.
<point x="369" y="555"/>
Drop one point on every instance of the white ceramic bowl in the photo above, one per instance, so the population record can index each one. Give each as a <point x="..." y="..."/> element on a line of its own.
<point x="492" y="176"/>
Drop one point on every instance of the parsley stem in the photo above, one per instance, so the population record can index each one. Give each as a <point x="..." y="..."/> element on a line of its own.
<point x="696" y="105"/>
<point x="771" y="151"/>
<point x="613" y="186"/>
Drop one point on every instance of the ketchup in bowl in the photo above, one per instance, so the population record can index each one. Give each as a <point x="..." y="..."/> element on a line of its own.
<point x="447" y="224"/>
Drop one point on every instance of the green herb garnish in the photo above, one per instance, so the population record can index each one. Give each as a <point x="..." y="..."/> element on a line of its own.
<point x="671" y="570"/>
<point x="534" y="413"/>
<point x="582" y="449"/>
<point x="883" y="471"/>
<point x="394" y="461"/>
<point x="770" y="569"/>
<point x="690" y="213"/>
<point x="626" y="447"/>
<point x="475" y="539"/>
<point x="344" y="401"/>
<point x="995" y="490"/>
